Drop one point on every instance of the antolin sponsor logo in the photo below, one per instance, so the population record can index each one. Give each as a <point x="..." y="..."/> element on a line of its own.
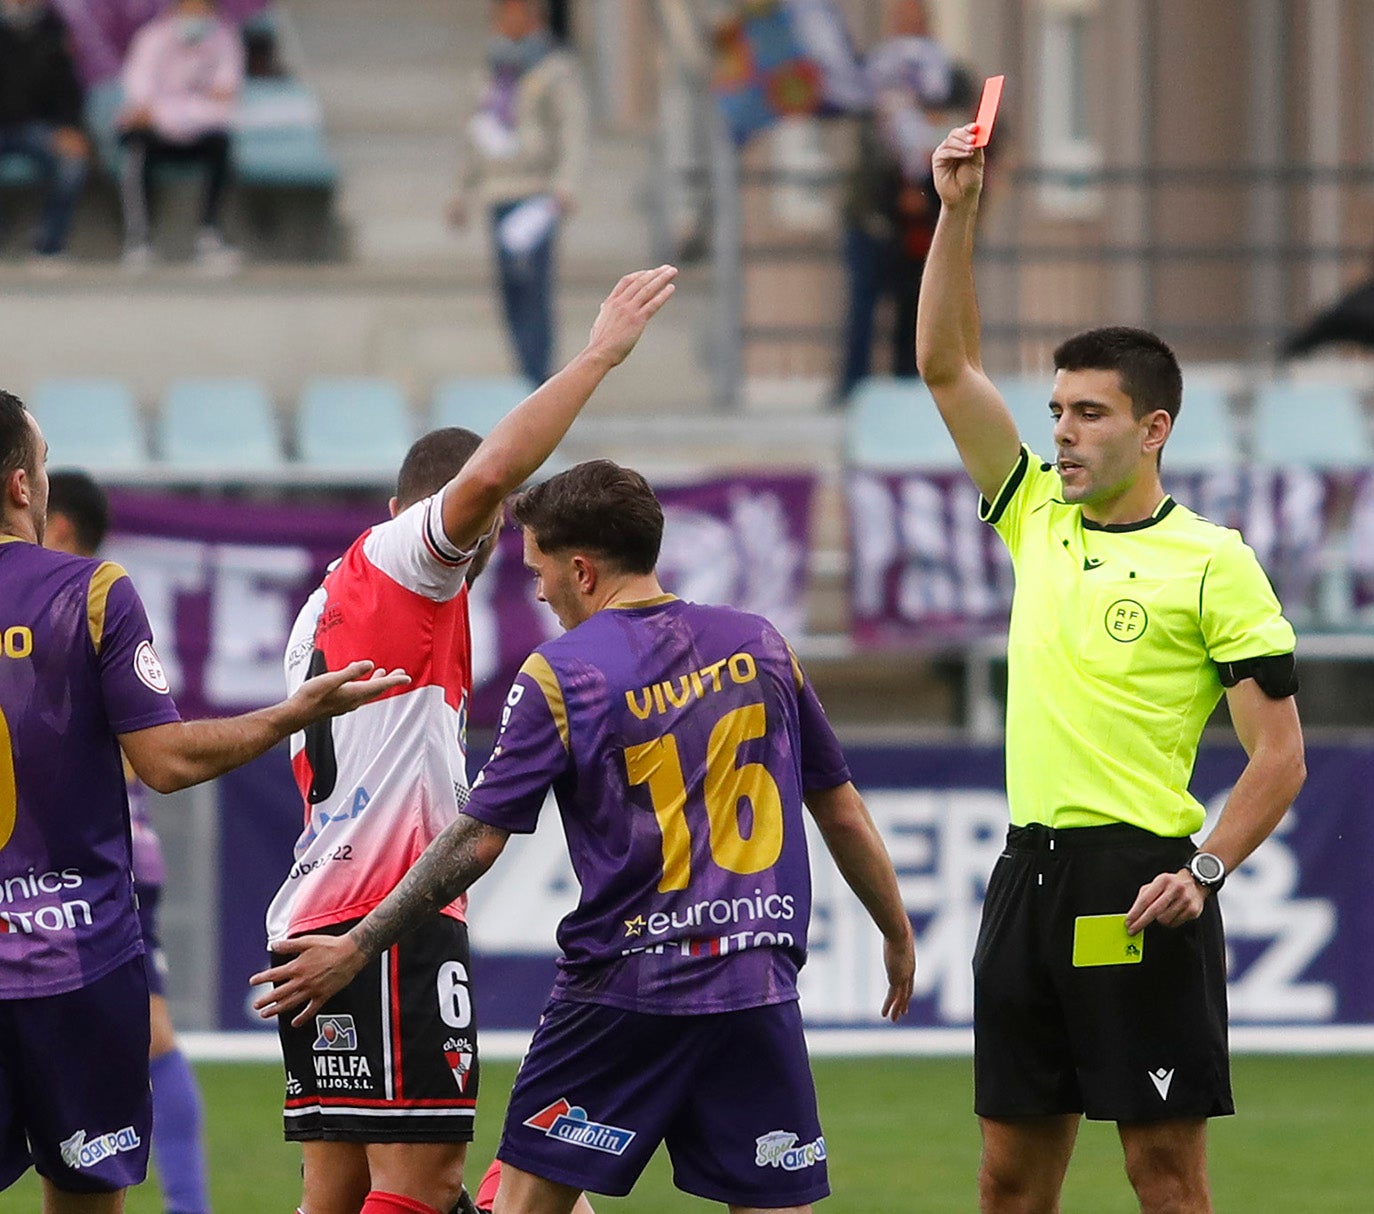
<point x="568" y="1123"/>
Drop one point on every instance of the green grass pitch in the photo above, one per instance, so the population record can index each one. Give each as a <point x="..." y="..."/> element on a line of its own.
<point x="902" y="1140"/>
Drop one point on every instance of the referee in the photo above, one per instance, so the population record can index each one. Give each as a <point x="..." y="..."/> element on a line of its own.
<point x="1131" y="616"/>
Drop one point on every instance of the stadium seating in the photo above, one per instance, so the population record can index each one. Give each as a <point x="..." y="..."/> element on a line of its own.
<point x="278" y="137"/>
<point x="1206" y="436"/>
<point x="353" y="424"/>
<point x="219" y="425"/>
<point x="894" y="425"/>
<point x="1322" y="425"/>
<point x="477" y="403"/>
<point x="91" y="424"/>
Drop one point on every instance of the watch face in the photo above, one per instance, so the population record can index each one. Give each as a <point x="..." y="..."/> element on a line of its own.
<point x="1207" y="867"/>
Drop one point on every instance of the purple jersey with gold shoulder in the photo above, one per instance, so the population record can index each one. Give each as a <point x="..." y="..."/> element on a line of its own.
<point x="678" y="740"/>
<point x="77" y="667"/>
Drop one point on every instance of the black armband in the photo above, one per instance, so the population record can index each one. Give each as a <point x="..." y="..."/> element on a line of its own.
<point x="1277" y="675"/>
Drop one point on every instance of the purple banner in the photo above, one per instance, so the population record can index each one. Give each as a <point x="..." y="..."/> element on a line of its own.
<point x="1299" y="913"/>
<point x="922" y="565"/>
<point x="222" y="580"/>
<point x="924" y="569"/>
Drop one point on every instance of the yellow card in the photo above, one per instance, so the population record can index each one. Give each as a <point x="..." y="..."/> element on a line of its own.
<point x="1102" y="940"/>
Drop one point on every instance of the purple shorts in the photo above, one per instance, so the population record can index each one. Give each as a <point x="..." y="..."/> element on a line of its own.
<point x="74" y="1095"/>
<point x="730" y="1094"/>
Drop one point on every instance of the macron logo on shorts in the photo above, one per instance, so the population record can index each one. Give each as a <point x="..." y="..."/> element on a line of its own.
<point x="1162" y="1079"/>
<point x="570" y="1124"/>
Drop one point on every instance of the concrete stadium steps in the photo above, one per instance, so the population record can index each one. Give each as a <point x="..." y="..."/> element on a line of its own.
<point x="392" y="82"/>
<point x="282" y="325"/>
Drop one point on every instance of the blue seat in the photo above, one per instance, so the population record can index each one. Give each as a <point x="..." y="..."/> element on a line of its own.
<point x="90" y="423"/>
<point x="103" y="102"/>
<point x="477" y="402"/>
<point x="1321" y="425"/>
<point x="894" y="425"/>
<point x="279" y="138"/>
<point x="16" y="170"/>
<point x="221" y="425"/>
<point x="353" y="423"/>
<point x="1205" y="437"/>
<point x="277" y="141"/>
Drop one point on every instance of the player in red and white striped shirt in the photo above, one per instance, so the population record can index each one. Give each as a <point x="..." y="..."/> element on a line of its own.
<point x="381" y="1086"/>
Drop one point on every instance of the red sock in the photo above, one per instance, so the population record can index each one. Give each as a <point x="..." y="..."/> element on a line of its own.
<point x="486" y="1191"/>
<point x="393" y="1203"/>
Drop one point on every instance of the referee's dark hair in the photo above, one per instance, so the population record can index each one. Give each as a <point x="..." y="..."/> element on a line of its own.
<point x="75" y="495"/>
<point x="17" y="448"/>
<point x="432" y="462"/>
<point x="596" y="507"/>
<point x="1149" y="370"/>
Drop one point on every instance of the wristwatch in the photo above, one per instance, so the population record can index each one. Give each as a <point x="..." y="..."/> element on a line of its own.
<point x="1208" y="870"/>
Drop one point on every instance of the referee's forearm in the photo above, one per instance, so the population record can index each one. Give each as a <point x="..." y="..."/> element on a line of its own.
<point x="1266" y="788"/>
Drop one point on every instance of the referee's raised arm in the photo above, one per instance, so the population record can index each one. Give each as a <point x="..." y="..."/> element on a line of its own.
<point x="947" y="329"/>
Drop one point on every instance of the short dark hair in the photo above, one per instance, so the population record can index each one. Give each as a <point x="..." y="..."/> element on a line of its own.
<point x="432" y="462"/>
<point x="1149" y="369"/>
<point x="17" y="448"/>
<point x="76" y="495"/>
<point x="596" y="507"/>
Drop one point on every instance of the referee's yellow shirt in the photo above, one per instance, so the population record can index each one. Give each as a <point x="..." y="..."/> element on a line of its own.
<point x="1115" y="632"/>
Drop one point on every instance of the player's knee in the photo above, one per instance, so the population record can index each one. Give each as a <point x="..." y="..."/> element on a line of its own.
<point x="1004" y="1188"/>
<point x="1167" y="1181"/>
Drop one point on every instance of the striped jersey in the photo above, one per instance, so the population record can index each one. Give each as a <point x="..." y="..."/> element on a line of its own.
<point x="381" y="782"/>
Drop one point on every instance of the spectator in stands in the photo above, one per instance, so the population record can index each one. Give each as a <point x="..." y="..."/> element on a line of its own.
<point x="40" y="115"/>
<point x="526" y="144"/>
<point x="181" y="83"/>
<point x="890" y="206"/>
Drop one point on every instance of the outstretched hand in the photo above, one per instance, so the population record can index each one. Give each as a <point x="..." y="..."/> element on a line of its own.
<point x="958" y="167"/>
<point x="338" y="691"/>
<point x="627" y="311"/>
<point x="319" y="968"/>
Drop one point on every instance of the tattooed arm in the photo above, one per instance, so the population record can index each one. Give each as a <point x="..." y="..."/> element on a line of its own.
<point x="321" y="966"/>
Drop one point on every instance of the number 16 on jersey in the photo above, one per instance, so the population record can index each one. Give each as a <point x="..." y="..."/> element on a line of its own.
<point x="728" y="783"/>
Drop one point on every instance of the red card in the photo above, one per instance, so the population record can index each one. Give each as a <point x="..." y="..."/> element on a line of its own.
<point x="987" y="110"/>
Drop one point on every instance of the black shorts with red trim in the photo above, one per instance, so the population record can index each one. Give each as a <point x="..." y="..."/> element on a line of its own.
<point x="393" y="1056"/>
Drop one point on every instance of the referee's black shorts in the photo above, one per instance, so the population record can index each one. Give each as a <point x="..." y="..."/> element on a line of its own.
<point x="1129" y="1042"/>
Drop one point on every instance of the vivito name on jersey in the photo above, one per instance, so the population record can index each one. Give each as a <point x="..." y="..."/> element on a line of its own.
<point x="679" y="689"/>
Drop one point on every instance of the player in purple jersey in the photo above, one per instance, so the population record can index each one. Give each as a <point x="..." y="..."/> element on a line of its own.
<point x="79" y="680"/>
<point x="681" y="742"/>
<point x="78" y="516"/>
